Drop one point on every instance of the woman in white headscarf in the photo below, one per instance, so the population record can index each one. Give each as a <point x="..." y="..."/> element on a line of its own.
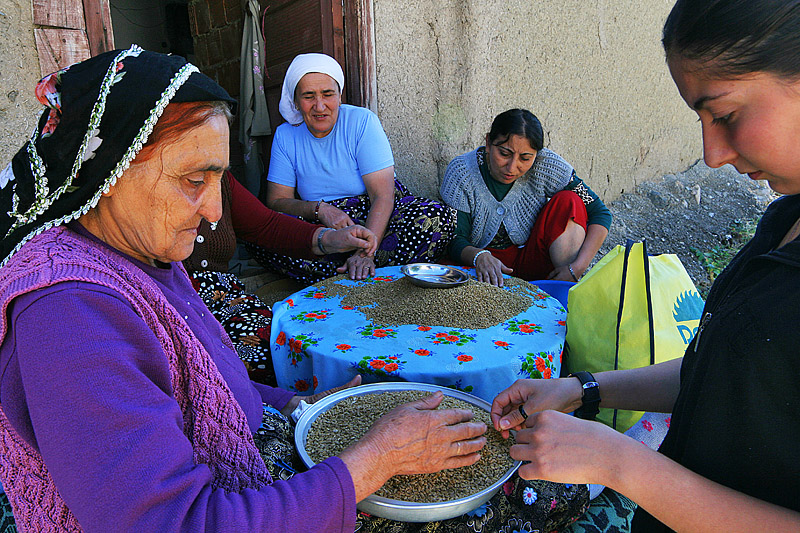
<point x="331" y="163"/>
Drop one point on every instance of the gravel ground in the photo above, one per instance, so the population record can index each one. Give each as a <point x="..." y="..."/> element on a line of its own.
<point x="694" y="209"/>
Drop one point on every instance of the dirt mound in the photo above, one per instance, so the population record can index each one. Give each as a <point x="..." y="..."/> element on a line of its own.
<point x="692" y="210"/>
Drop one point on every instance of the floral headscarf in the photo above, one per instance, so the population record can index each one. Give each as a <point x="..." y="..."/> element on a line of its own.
<point x="98" y="115"/>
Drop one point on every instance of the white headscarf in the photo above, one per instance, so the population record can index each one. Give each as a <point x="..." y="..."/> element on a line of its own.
<point x="300" y="66"/>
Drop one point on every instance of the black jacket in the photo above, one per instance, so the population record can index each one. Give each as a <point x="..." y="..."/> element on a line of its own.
<point x="737" y="418"/>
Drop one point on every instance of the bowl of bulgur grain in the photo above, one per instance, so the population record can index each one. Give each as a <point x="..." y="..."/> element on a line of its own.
<point x="330" y="425"/>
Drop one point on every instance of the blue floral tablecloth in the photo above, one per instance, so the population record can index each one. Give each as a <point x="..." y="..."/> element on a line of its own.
<point x="317" y="343"/>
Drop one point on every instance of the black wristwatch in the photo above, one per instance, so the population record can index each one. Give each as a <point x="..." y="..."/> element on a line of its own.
<point x="591" y="396"/>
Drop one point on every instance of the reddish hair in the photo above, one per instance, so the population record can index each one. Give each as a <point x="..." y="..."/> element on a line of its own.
<point x="179" y="118"/>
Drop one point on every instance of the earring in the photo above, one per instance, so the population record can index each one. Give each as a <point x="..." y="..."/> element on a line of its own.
<point x="214" y="225"/>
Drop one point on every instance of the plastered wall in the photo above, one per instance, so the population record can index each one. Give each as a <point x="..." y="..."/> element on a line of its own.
<point x="592" y="70"/>
<point x="19" y="72"/>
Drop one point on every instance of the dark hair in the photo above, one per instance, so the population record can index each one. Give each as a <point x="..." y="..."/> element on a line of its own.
<point x="517" y="122"/>
<point x="177" y="119"/>
<point x="736" y="37"/>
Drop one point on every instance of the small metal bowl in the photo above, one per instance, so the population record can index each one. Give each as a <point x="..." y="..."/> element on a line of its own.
<point x="397" y="509"/>
<point x="432" y="275"/>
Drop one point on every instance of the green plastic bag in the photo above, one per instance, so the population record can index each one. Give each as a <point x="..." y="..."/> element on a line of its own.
<point x="628" y="311"/>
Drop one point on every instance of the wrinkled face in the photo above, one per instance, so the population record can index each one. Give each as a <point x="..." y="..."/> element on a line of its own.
<point x="510" y="159"/>
<point x="752" y="122"/>
<point x="318" y="98"/>
<point x="153" y="211"/>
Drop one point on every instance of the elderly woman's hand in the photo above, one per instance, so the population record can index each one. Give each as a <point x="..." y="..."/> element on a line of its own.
<point x="534" y="395"/>
<point x="292" y="404"/>
<point x="350" y="238"/>
<point x="490" y="269"/>
<point x="333" y="217"/>
<point x="413" y="438"/>
<point x="358" y="266"/>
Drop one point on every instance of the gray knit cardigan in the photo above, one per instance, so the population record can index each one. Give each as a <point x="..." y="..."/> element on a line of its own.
<point x="463" y="188"/>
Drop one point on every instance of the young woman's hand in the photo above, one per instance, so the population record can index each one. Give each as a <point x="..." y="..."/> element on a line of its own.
<point x="490" y="269"/>
<point x="533" y="395"/>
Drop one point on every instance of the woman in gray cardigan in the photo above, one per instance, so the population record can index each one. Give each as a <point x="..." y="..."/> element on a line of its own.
<point x="521" y="207"/>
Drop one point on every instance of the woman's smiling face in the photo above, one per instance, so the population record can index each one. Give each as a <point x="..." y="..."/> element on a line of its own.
<point x="318" y="98"/>
<point x="751" y="122"/>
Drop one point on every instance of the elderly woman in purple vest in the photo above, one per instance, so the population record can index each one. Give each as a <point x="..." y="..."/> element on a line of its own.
<point x="124" y="405"/>
<point x="522" y="210"/>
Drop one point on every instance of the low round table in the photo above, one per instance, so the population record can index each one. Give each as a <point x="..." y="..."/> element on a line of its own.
<point x="318" y="344"/>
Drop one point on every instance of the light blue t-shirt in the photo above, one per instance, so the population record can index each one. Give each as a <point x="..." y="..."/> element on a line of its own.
<point x="332" y="166"/>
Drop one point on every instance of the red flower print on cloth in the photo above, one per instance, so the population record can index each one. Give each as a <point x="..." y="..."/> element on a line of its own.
<point x="348" y="307"/>
<point x="378" y="333"/>
<point x="452" y="337"/>
<point x="424" y="328"/>
<point x="502" y="344"/>
<point x="50" y="126"/>
<point x="562" y="322"/>
<point x="343" y="347"/>
<point x="463" y="358"/>
<point x="313" y="316"/>
<point x="290" y="302"/>
<point x="316" y="382"/>
<point x="647" y="425"/>
<point x="298" y="346"/>
<point x="382" y="365"/>
<point x="281" y="340"/>
<point x="520" y="327"/>
<point x="317" y="295"/>
<point x="47" y="92"/>
<point x="422" y="352"/>
<point x="538" y="365"/>
<point x="301" y="385"/>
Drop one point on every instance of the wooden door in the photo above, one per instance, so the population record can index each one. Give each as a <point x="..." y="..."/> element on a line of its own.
<point x="69" y="31"/>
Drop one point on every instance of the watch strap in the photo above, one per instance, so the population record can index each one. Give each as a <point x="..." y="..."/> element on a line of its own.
<point x="590" y="397"/>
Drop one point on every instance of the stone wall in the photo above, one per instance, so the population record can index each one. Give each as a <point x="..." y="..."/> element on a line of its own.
<point x="217" y="30"/>
<point x="19" y="72"/>
<point x="591" y="70"/>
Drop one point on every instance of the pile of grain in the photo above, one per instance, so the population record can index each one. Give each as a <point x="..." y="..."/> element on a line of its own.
<point x="347" y="421"/>
<point x="473" y="305"/>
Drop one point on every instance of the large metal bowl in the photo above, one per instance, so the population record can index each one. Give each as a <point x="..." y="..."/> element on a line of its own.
<point x="398" y="509"/>
<point x="435" y="276"/>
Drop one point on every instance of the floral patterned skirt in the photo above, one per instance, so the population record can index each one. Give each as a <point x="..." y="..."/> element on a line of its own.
<point x="419" y="230"/>
<point x="520" y="506"/>
<point x="245" y="317"/>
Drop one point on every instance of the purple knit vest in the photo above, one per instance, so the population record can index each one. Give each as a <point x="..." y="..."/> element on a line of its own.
<point x="211" y="414"/>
